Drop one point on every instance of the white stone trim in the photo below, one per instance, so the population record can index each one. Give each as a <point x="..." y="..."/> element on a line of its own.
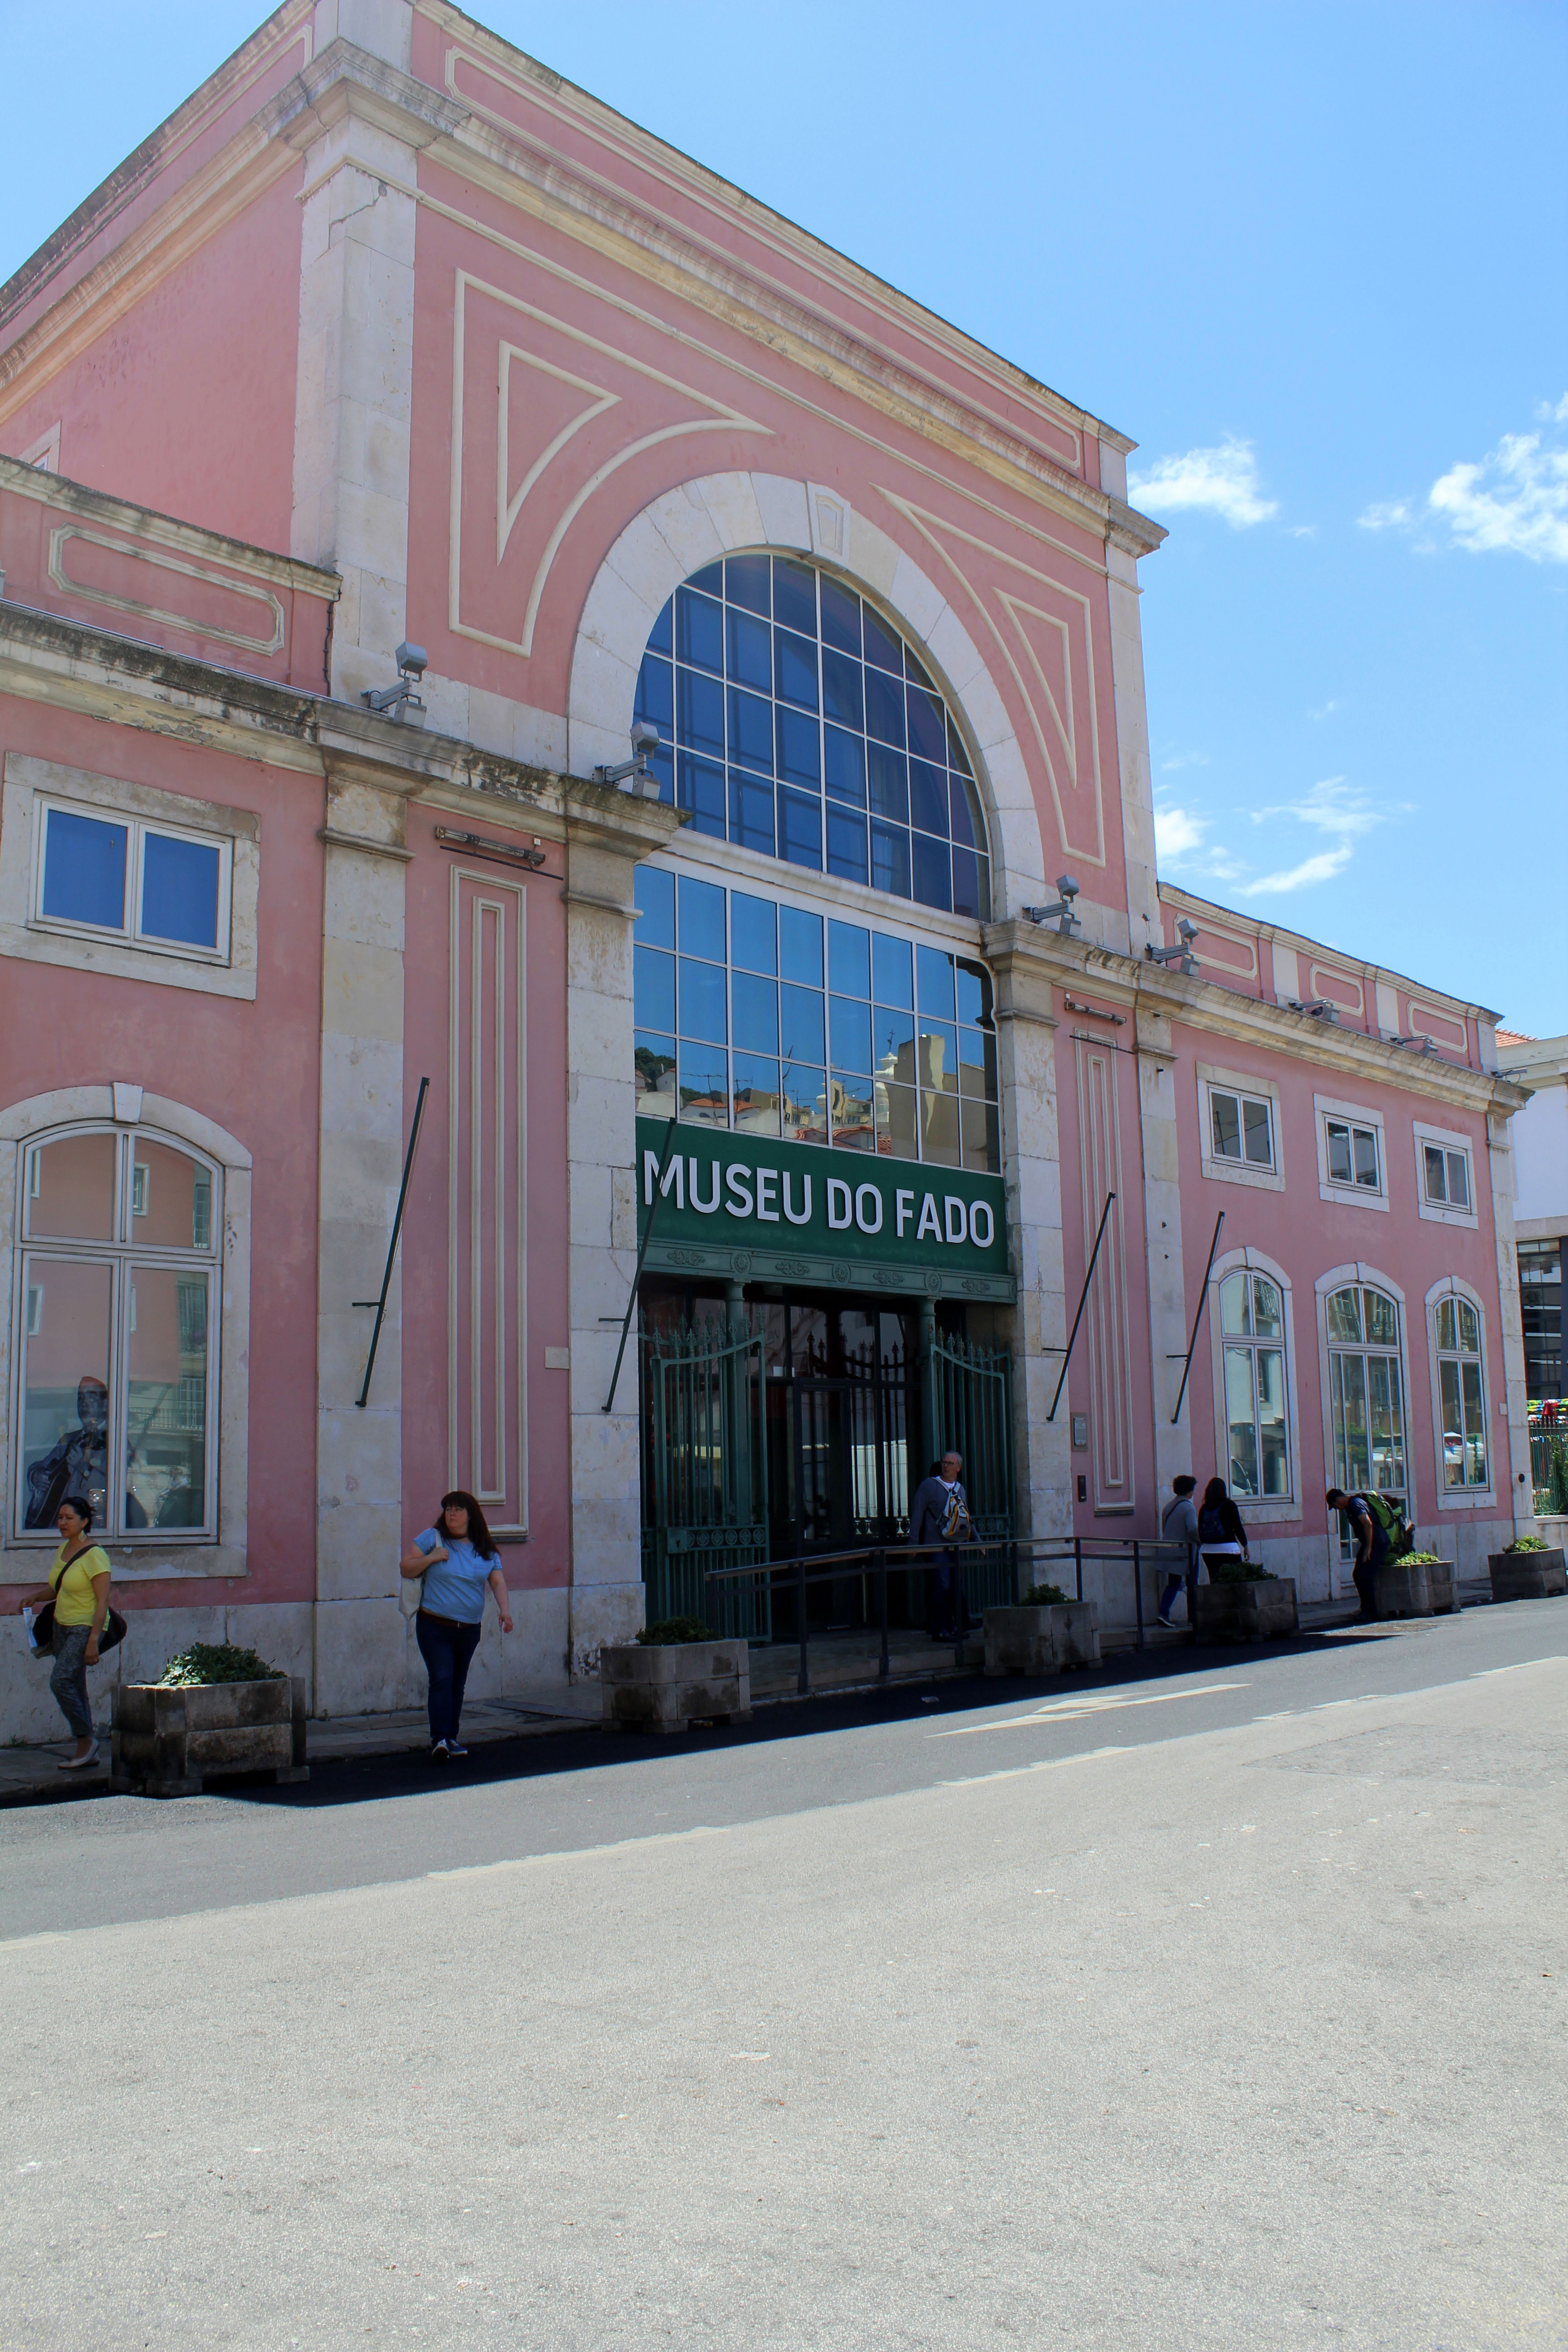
<point x="68" y="1106"/>
<point x="727" y="514"/>
<point x="30" y="784"/>
<point x="1284" y="1509"/>
<point x="1353" y="1196"/>
<point x="1230" y="1172"/>
<point x="1462" y="1498"/>
<point x="1436" y="1213"/>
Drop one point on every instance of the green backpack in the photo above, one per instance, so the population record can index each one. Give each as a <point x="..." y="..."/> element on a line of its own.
<point x="1398" y="1534"/>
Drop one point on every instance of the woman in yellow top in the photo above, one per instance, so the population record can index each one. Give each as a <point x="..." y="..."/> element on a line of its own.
<point x="79" y="1587"/>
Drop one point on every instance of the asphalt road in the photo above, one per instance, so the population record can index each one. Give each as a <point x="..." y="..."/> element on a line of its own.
<point x="1219" y="2005"/>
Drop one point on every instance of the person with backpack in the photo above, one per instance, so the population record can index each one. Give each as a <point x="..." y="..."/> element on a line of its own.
<point x="1180" y="1524"/>
<point x="940" y="1514"/>
<point x="1379" y="1535"/>
<point x="1221" y="1535"/>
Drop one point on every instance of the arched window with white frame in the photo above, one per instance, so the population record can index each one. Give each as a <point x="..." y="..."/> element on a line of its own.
<point x="117" y="1323"/>
<point x="1461" y="1390"/>
<point x="1366" y="1391"/>
<point x="1252" y="1333"/>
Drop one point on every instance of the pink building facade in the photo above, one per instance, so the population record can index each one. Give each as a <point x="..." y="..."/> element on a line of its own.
<point x="388" y="337"/>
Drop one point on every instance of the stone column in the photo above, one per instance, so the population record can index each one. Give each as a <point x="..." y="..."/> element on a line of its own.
<point x="1519" y="1501"/>
<point x="1132" y="741"/>
<point x="1031" y="1166"/>
<point x="606" y="832"/>
<point x="1163" y="1244"/>
<point x="360" y="1636"/>
<point x="355" y="384"/>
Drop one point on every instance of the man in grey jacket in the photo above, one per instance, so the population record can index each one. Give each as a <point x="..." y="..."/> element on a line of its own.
<point x="939" y="1501"/>
<point x="1180" y="1524"/>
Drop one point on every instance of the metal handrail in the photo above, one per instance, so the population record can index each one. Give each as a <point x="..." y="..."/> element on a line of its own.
<point x="820" y="1568"/>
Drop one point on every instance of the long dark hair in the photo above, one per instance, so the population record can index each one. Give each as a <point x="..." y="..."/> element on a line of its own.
<point x="1215" y="1494"/>
<point x="480" y="1536"/>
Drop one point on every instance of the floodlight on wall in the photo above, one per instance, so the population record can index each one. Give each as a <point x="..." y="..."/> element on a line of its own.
<point x="1180" y="955"/>
<point x="402" y="701"/>
<point x="635" y="772"/>
<point x="1061" y="914"/>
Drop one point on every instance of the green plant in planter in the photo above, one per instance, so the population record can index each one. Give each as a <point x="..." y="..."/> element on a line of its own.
<point x="1527" y="1543"/>
<point x="216" y="1662"/>
<point x="667" y="1630"/>
<point x="1236" y="1571"/>
<point x="1043" y="1596"/>
<point x="1420" y="1560"/>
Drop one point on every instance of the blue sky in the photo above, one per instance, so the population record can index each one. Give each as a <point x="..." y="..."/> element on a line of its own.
<point x="1313" y="259"/>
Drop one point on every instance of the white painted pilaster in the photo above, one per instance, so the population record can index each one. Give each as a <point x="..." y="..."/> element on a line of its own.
<point x="1162" y="1246"/>
<point x="1133" y="747"/>
<point x="1521" y="1494"/>
<point x="1031" y="1166"/>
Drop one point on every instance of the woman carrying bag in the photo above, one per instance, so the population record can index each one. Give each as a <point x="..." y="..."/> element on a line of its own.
<point x="1221" y="1535"/>
<point x="453" y="1562"/>
<point x="77" y="1590"/>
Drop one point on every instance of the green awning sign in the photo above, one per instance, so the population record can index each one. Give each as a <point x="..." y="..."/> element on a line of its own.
<point x="796" y="1210"/>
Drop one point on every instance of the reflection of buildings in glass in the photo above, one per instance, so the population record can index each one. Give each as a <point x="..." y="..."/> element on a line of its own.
<point x="166" y="1437"/>
<point x="76" y="1463"/>
<point x="1541" y="1306"/>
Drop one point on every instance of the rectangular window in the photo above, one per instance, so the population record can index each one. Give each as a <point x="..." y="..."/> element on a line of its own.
<point x="1242" y="1127"/>
<point x="1447" y="1177"/>
<point x="120" y="878"/>
<point x="1352" y="1155"/>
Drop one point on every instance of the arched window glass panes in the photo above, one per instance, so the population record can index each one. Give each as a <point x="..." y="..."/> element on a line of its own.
<point x="118" y="1327"/>
<point x="1365" y="1393"/>
<point x="1252" y="1324"/>
<point x="1461" y="1390"/>
<point x="793" y="719"/>
<point x="776" y="1020"/>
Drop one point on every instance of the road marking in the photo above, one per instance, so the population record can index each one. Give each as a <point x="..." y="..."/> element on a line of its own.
<point x="1045" y="1764"/>
<point x="1069" y="1710"/>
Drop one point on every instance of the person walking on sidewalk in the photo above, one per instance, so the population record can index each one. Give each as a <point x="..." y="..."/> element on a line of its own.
<point x="939" y="1512"/>
<point x="1221" y="1534"/>
<point x="1180" y="1525"/>
<point x="453" y="1562"/>
<point x="79" y="1586"/>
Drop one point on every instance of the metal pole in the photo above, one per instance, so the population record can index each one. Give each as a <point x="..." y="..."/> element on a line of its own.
<point x="884" y="1669"/>
<point x="642" y="1252"/>
<point x="380" y="1304"/>
<point x="1082" y="1303"/>
<point x="1137" y="1591"/>
<point x="960" y="1608"/>
<point x="803" y="1681"/>
<point x="1202" y="1302"/>
<point x="1078" y="1561"/>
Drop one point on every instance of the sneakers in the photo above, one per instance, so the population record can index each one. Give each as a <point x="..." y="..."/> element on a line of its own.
<point x="456" y="1747"/>
<point x="439" y="1751"/>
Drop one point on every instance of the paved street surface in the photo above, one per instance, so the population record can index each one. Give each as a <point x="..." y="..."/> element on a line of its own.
<point x="1215" y="2004"/>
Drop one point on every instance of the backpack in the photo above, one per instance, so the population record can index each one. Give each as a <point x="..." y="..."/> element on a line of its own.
<point x="1398" y="1533"/>
<point x="955" y="1528"/>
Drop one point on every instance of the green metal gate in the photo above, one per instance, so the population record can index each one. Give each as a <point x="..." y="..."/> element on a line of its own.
<point x="705" y="1475"/>
<point x="968" y="1409"/>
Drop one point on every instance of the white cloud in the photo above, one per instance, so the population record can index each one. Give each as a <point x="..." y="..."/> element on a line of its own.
<point x="1184" y="759"/>
<point x="1329" y="807"/>
<point x="1223" y="480"/>
<point x="1391" y="514"/>
<point x="1178" y="833"/>
<point x="1325" y="710"/>
<point x="1303" y="530"/>
<point x="1320" y="867"/>
<point x="1513" y="502"/>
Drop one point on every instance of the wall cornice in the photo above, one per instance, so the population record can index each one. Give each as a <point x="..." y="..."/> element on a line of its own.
<point x="167" y="531"/>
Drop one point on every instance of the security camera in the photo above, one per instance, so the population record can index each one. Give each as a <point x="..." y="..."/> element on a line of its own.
<point x="402" y="700"/>
<point x="1061" y="914"/>
<point x="635" y="772"/>
<point x="413" y="660"/>
<point x="644" y="737"/>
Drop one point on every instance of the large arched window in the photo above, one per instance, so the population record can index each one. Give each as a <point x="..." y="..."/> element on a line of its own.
<point x="1461" y="1393"/>
<point x="119" y="1323"/>
<point x="1365" y="1393"/>
<point x="1252" y="1322"/>
<point x="795" y="720"/>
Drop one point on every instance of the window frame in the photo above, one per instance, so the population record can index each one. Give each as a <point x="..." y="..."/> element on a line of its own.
<point x="1459" y="1498"/>
<point x="123" y="1254"/>
<point x="1263" y="1510"/>
<point x="1213" y="1080"/>
<point x="1446" y="1140"/>
<point x="1325" y="1108"/>
<point x="1359" y="1272"/>
<point x="137" y="828"/>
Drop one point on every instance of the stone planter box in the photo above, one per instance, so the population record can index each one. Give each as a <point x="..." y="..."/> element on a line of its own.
<point x="1526" y="1575"/>
<point x="664" y="1687"/>
<point x="1407" y="1588"/>
<point x="170" y="1743"/>
<point x="1260" y="1609"/>
<point x="1042" y="1640"/>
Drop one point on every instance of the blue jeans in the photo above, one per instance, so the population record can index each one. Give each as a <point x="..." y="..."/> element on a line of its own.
<point x="941" y="1612"/>
<point x="447" y="1651"/>
<point x="68" y="1682"/>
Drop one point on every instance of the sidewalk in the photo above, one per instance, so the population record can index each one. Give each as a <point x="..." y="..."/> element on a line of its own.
<point x="840" y="1662"/>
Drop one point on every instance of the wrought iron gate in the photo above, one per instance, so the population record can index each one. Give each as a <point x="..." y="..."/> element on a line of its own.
<point x="969" y="1411"/>
<point x="705" y="1474"/>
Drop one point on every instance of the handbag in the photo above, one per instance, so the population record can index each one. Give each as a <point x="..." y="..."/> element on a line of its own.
<point x="43" y="1629"/>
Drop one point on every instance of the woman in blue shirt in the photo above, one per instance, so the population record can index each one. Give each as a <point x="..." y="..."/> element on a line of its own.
<point x="453" y="1562"/>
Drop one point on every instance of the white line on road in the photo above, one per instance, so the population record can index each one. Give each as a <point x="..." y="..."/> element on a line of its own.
<point x="1068" y="1710"/>
<point x="1045" y="1764"/>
